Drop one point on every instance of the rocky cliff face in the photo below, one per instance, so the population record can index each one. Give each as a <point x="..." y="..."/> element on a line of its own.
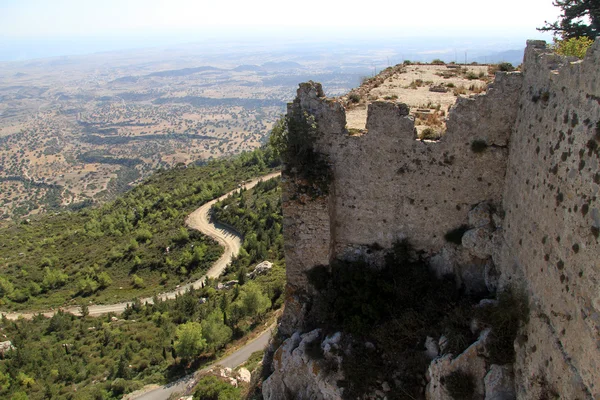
<point x="507" y="198"/>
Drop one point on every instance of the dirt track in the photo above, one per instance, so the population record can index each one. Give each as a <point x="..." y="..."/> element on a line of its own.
<point x="199" y="219"/>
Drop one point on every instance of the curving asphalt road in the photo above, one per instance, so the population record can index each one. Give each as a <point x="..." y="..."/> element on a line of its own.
<point x="230" y="239"/>
<point x="233" y="360"/>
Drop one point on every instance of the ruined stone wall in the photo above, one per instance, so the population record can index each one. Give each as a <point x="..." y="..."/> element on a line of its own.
<point x="389" y="186"/>
<point x="529" y="200"/>
<point x="552" y="208"/>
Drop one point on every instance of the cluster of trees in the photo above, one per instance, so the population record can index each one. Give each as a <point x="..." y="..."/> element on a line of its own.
<point x="257" y="215"/>
<point x="68" y="357"/>
<point x="123" y="244"/>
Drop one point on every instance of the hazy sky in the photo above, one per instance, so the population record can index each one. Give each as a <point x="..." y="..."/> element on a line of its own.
<point x="99" y="18"/>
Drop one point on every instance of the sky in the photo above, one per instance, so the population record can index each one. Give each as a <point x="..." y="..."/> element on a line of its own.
<point x="131" y="23"/>
<point x="26" y="18"/>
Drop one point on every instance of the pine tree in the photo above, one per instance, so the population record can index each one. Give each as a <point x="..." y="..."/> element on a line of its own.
<point x="573" y="20"/>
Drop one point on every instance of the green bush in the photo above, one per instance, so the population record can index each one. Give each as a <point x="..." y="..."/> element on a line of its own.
<point x="354" y="98"/>
<point x="294" y="139"/>
<point x="506" y="67"/>
<point x="574" y="47"/>
<point x="212" y="388"/>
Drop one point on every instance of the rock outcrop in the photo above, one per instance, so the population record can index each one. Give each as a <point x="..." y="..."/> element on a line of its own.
<point x="305" y="367"/>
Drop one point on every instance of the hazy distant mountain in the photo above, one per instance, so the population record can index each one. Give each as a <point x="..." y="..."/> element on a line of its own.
<point x="247" y="68"/>
<point x="126" y="79"/>
<point x="281" y="66"/>
<point x="183" y="71"/>
<point x="515" y="57"/>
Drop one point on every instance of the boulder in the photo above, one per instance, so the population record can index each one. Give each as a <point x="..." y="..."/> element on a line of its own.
<point x="296" y="375"/>
<point x="480" y="215"/>
<point x="261" y="269"/>
<point x="471" y="361"/>
<point x="244" y="375"/>
<point x="499" y="383"/>
<point x="479" y="241"/>
<point x="432" y="349"/>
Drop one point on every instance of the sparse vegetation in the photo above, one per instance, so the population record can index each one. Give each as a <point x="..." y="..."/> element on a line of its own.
<point x="294" y="139"/>
<point x="354" y="97"/>
<point x="394" y="308"/>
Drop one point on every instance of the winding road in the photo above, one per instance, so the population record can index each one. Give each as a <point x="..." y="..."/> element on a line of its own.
<point x="233" y="360"/>
<point x="199" y="219"/>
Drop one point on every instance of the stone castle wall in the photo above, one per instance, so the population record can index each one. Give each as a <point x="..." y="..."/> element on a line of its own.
<point x="528" y="200"/>
<point x="552" y="208"/>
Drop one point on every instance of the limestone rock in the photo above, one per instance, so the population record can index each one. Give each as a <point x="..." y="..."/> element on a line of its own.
<point x="297" y="376"/>
<point x="469" y="361"/>
<point x="432" y="349"/>
<point x="261" y="269"/>
<point x="480" y="215"/>
<point x="244" y="375"/>
<point x="479" y="241"/>
<point x="499" y="383"/>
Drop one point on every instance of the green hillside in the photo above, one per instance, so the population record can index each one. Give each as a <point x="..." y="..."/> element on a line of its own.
<point x="119" y="250"/>
<point x="67" y="357"/>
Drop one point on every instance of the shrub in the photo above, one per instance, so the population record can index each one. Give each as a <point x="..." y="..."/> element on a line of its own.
<point x="212" y="388"/>
<point x="479" y="146"/>
<point x="137" y="281"/>
<point x="407" y="62"/>
<point x="437" y="61"/>
<point x="430" y="134"/>
<point x="460" y="385"/>
<point x="354" y="97"/>
<point x="506" y="67"/>
<point x="300" y="157"/>
<point x="504" y="319"/>
<point x="19" y="296"/>
<point x="87" y="286"/>
<point x="189" y="341"/>
<point x="6" y="288"/>
<point x="573" y="47"/>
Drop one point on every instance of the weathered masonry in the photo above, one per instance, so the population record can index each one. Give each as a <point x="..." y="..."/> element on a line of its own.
<point x="518" y="169"/>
